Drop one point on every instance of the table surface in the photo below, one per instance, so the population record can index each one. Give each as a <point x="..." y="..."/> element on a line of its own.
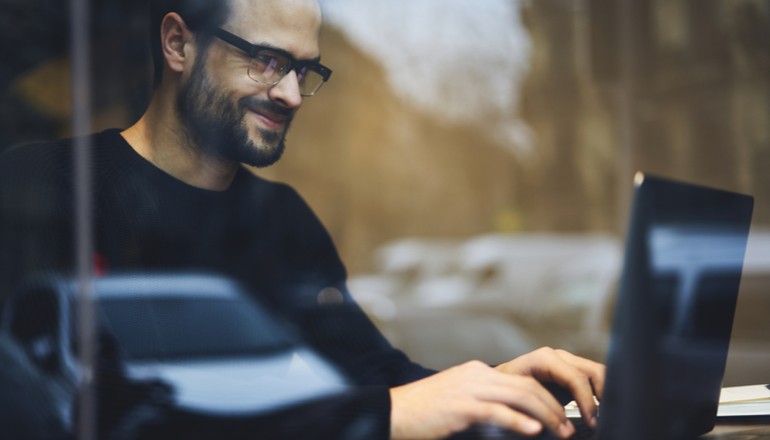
<point x="759" y="429"/>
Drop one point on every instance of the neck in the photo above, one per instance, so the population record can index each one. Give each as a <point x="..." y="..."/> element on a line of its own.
<point x="159" y="137"/>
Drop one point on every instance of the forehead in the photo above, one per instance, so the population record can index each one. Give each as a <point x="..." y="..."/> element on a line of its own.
<point x="292" y="25"/>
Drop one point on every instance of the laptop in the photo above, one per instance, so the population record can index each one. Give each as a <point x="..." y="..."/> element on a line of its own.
<point x="674" y="312"/>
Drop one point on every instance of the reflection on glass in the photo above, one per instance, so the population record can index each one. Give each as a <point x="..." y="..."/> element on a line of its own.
<point x="691" y="266"/>
<point x="171" y="328"/>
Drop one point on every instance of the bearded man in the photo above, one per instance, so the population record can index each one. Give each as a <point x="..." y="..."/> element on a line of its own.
<point x="171" y="194"/>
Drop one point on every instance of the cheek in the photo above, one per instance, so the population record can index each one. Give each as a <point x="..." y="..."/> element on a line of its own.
<point x="231" y="81"/>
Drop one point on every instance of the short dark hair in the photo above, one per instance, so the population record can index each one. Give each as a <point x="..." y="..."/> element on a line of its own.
<point x="200" y="16"/>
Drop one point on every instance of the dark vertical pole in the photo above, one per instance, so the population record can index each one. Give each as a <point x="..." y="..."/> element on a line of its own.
<point x="81" y="127"/>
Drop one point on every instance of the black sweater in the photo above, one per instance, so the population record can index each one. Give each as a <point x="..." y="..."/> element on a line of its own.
<point x="258" y="232"/>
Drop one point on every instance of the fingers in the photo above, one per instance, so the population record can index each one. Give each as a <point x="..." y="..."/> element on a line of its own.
<point x="583" y="378"/>
<point x="474" y="393"/>
<point x="527" y="395"/>
<point x="593" y="370"/>
<point x="580" y="376"/>
<point x="510" y="395"/>
<point x="504" y="416"/>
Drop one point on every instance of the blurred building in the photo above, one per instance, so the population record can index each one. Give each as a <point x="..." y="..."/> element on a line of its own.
<point x="607" y="87"/>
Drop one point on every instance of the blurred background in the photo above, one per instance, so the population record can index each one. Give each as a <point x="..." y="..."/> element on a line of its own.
<point x="473" y="161"/>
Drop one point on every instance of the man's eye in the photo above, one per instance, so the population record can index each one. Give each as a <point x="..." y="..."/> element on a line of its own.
<point x="266" y="60"/>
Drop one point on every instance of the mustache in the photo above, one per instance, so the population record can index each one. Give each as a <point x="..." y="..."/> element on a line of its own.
<point x="266" y="106"/>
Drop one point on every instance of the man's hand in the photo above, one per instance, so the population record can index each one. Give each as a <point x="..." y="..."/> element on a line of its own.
<point x="583" y="378"/>
<point x="509" y="396"/>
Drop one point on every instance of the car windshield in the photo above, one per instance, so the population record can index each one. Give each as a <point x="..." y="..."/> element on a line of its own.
<point x="173" y="328"/>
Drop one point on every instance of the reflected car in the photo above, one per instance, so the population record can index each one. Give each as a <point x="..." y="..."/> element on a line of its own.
<point x="219" y="351"/>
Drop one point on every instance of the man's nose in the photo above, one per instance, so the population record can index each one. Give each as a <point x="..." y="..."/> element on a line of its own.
<point x="287" y="91"/>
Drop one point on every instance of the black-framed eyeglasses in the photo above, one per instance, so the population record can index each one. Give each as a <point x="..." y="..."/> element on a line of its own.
<point x="269" y="65"/>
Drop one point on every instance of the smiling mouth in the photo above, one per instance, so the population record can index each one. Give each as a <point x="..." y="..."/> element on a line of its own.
<point x="271" y="120"/>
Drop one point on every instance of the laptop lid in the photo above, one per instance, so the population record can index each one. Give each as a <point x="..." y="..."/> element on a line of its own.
<point x="674" y="313"/>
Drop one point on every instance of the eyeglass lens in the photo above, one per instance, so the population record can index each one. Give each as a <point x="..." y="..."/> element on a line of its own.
<point x="270" y="67"/>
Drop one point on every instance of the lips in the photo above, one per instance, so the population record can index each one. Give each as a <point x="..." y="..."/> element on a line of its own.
<point x="268" y="114"/>
<point x="270" y="120"/>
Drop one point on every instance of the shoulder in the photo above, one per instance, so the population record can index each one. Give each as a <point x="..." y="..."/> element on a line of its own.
<point x="55" y="155"/>
<point x="40" y="153"/>
<point x="36" y="166"/>
<point x="38" y="172"/>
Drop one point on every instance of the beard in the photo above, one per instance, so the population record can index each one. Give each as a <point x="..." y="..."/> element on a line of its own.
<point x="216" y="125"/>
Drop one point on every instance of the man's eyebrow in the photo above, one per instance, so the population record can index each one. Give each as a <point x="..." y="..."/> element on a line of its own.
<point x="316" y="59"/>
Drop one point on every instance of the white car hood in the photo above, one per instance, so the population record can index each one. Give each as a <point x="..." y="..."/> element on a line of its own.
<point x="245" y="384"/>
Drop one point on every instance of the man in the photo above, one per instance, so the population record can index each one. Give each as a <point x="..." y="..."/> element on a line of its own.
<point x="171" y="194"/>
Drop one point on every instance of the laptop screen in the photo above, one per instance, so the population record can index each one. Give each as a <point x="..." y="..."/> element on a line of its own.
<point x="673" y="317"/>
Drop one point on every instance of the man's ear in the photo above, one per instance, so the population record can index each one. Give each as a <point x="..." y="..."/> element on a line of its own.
<point x="175" y="42"/>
